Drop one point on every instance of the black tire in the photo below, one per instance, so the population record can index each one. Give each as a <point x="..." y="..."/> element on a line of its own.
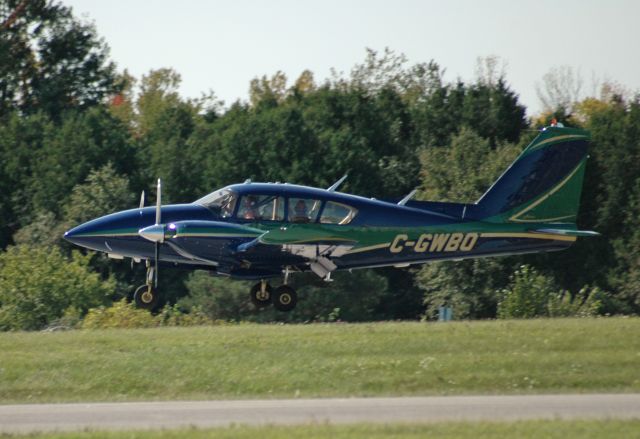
<point x="146" y="297"/>
<point x="284" y="298"/>
<point x="257" y="298"/>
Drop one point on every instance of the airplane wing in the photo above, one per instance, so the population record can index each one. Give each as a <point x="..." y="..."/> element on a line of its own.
<point x="315" y="243"/>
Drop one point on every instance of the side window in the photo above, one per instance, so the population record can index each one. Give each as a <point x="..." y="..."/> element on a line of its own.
<point x="337" y="213"/>
<point x="221" y="202"/>
<point x="261" y="208"/>
<point x="303" y="210"/>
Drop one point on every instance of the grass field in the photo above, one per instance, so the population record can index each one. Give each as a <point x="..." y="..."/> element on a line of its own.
<point x="322" y="360"/>
<point x="461" y="430"/>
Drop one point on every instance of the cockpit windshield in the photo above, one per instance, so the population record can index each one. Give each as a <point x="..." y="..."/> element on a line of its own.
<point x="221" y="202"/>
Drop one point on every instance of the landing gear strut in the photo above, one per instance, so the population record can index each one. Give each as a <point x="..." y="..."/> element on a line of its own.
<point x="261" y="294"/>
<point x="146" y="296"/>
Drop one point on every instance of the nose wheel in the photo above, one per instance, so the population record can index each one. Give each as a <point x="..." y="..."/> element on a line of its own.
<point x="146" y="296"/>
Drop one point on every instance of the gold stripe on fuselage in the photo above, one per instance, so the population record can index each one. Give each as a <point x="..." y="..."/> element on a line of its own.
<point x="528" y="235"/>
<point x="368" y="248"/>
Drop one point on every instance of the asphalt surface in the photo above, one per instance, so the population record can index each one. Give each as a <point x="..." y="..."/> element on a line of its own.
<point x="150" y="415"/>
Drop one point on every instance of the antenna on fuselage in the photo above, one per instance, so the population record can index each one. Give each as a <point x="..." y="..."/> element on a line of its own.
<point x="408" y="197"/>
<point x="335" y="185"/>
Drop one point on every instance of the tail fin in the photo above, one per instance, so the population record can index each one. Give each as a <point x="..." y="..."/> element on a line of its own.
<point x="543" y="185"/>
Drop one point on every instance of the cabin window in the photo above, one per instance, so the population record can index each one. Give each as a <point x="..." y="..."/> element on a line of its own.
<point x="221" y="202"/>
<point x="337" y="213"/>
<point x="261" y="208"/>
<point x="303" y="210"/>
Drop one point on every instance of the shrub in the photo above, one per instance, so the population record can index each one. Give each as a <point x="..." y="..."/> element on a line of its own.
<point x="174" y="316"/>
<point x="527" y="296"/>
<point x="532" y="294"/>
<point x="37" y="286"/>
<point x="125" y="315"/>
<point x="119" y="315"/>
<point x="588" y="302"/>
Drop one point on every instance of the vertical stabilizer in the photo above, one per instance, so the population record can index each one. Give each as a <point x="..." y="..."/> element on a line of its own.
<point x="543" y="185"/>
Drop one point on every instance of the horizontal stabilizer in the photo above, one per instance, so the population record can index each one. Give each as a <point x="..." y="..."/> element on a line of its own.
<point x="567" y="232"/>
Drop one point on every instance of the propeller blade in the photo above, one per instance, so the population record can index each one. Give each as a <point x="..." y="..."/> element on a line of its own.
<point x="155" y="272"/>
<point x="158" y="221"/>
<point x="158" y="202"/>
<point x="142" y="200"/>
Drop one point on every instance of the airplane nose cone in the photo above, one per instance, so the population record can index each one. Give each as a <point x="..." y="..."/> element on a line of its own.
<point x="71" y="235"/>
<point x="82" y="236"/>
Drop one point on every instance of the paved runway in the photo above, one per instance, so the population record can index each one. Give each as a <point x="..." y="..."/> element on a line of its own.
<point x="147" y="415"/>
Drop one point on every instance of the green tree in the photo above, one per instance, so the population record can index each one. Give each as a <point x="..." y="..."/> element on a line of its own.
<point x="164" y="124"/>
<point x="158" y="92"/>
<point x="43" y="161"/>
<point x="268" y="92"/>
<point x="619" y="200"/>
<point x="463" y="171"/>
<point x="103" y="192"/>
<point x="19" y="137"/>
<point x="51" y="61"/>
<point x="37" y="286"/>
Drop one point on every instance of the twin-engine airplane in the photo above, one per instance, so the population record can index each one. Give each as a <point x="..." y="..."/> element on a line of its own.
<point x="261" y="231"/>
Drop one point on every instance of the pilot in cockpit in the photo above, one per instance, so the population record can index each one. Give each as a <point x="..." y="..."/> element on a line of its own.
<point x="250" y="208"/>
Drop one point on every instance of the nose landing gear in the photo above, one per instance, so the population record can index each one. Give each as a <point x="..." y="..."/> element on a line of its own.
<point x="146" y="296"/>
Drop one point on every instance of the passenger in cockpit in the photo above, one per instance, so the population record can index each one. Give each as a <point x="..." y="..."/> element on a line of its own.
<point x="300" y="212"/>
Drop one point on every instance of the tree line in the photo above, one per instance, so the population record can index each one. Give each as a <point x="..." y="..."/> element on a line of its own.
<point x="79" y="139"/>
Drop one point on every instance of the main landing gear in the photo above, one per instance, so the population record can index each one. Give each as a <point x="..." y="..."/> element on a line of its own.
<point x="146" y="296"/>
<point x="283" y="298"/>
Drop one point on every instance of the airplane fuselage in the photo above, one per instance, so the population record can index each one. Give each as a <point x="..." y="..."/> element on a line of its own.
<point x="380" y="234"/>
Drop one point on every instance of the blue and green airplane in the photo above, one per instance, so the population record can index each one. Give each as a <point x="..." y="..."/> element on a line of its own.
<point x="262" y="231"/>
